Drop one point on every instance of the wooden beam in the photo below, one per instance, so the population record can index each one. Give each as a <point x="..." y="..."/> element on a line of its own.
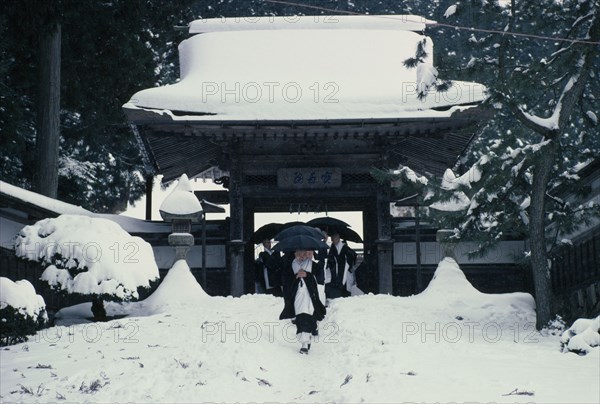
<point x="149" y="187"/>
<point x="218" y="197"/>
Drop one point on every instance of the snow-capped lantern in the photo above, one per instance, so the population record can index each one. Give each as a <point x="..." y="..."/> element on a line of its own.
<point x="181" y="208"/>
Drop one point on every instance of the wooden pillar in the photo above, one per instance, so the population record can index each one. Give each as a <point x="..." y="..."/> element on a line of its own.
<point x="418" y="249"/>
<point x="236" y="261"/>
<point x="236" y="230"/>
<point x="248" y="220"/>
<point x="384" y="241"/>
<point x="149" y="187"/>
<point x="204" y="282"/>
<point x="370" y="236"/>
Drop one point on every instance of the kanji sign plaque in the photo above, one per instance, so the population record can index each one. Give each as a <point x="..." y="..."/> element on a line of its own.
<point x="309" y="178"/>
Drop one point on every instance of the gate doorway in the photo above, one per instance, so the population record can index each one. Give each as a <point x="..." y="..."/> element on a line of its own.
<point x="353" y="218"/>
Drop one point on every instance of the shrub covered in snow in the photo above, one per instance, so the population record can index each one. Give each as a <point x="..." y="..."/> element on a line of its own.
<point x="556" y="326"/>
<point x="22" y="311"/>
<point x="582" y="337"/>
<point x="89" y="256"/>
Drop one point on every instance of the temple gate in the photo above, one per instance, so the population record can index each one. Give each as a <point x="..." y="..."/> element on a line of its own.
<point x="280" y="152"/>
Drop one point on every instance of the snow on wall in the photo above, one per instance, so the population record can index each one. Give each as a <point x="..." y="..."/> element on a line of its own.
<point x="301" y="74"/>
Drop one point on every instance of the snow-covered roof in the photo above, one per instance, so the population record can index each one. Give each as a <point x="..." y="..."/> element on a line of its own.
<point x="237" y="72"/>
<point x="44" y="202"/>
<point x="312" y="22"/>
<point x="55" y="207"/>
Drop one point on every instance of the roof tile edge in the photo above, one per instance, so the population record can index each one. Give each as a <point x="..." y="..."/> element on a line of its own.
<point x="380" y="22"/>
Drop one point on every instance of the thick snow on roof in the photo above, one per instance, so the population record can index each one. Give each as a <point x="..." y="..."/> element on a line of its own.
<point x="312" y="22"/>
<point x="42" y="201"/>
<point x="129" y="224"/>
<point x="302" y="74"/>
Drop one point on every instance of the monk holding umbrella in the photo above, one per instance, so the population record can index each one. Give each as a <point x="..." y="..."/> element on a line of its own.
<point x="300" y="278"/>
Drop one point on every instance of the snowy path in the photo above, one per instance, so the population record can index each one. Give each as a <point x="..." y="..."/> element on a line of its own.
<point x="370" y="349"/>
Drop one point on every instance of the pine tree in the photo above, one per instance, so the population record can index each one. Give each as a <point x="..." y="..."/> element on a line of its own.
<point x="110" y="50"/>
<point x="542" y="132"/>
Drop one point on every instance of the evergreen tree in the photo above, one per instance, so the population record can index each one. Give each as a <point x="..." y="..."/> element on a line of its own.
<point x="110" y="50"/>
<point x="45" y="178"/>
<point x="542" y="132"/>
<point x="17" y="95"/>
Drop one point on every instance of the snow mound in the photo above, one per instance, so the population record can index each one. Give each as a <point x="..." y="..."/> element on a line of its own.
<point x="449" y="280"/>
<point x="450" y="293"/>
<point x="582" y="337"/>
<point x="178" y="289"/>
<point x="449" y="311"/>
<point x="21" y="296"/>
<point x="87" y="255"/>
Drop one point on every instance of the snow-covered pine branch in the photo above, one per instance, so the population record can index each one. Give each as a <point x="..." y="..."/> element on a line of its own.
<point x="450" y="11"/>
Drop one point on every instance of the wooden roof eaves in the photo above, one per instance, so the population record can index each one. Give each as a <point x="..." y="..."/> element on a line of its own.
<point x="149" y="118"/>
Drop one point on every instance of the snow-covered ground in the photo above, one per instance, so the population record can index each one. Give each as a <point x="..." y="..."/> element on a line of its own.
<point x="451" y="343"/>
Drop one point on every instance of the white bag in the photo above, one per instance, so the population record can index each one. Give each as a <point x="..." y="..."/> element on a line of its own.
<point x="302" y="301"/>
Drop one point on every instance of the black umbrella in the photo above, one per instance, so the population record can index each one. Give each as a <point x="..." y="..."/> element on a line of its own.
<point x="299" y="242"/>
<point x="268" y="231"/>
<point x="290" y="224"/>
<point x="346" y="234"/>
<point x="299" y="230"/>
<point x="327" y="222"/>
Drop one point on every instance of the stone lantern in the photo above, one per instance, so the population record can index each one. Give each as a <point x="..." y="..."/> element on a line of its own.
<point x="181" y="208"/>
<point x="444" y="238"/>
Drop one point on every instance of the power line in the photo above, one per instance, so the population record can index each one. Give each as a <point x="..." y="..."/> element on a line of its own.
<point x="492" y="31"/>
<point x="437" y="24"/>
